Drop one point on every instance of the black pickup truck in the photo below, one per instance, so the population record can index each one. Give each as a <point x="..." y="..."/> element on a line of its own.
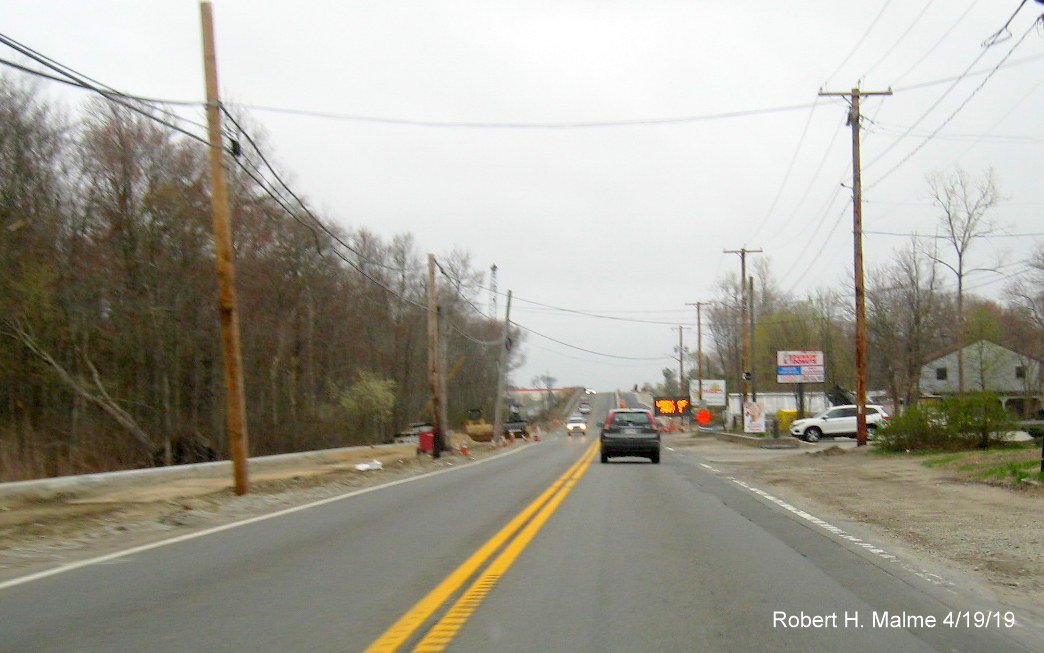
<point x="518" y="428"/>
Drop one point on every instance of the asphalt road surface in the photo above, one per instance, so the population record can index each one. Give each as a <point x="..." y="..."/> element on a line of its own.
<point x="543" y="549"/>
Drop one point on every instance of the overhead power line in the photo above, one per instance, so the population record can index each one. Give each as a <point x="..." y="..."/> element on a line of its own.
<point x="593" y="124"/>
<point x="938" y="237"/>
<point x="935" y="46"/>
<point x="122" y="99"/>
<point x="590" y="351"/>
<point x="83" y="81"/>
<point x="595" y="315"/>
<point x="953" y="114"/>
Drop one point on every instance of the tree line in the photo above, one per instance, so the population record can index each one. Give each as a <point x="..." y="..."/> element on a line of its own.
<point x="917" y="306"/>
<point x="109" y="343"/>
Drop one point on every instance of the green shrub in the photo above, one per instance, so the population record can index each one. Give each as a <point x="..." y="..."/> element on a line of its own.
<point x="962" y="422"/>
<point x="919" y="428"/>
<point x="978" y="417"/>
<point x="1035" y="431"/>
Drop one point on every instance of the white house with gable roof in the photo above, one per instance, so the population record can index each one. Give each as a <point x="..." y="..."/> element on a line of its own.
<point x="988" y="367"/>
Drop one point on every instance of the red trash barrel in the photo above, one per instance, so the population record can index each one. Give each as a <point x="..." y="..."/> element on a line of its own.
<point x="426" y="441"/>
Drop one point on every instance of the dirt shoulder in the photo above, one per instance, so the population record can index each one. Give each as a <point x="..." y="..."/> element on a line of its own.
<point x="42" y="530"/>
<point x="942" y="512"/>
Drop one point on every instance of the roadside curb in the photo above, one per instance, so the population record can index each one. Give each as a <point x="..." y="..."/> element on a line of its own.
<point x="786" y="442"/>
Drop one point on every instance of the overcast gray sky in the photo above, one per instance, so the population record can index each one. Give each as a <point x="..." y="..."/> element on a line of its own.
<point x="603" y="153"/>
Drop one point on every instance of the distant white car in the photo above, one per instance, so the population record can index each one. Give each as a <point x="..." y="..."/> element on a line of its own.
<point x="576" y="424"/>
<point x="839" y="420"/>
<point x="584" y="408"/>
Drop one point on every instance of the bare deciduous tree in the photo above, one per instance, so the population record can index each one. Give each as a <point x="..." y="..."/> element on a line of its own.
<point x="907" y="318"/>
<point x="964" y="202"/>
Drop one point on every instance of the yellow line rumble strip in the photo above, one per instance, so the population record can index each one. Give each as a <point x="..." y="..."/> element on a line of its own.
<point x="409" y="622"/>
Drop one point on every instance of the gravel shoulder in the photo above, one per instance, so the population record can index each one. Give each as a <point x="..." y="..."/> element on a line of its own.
<point x="40" y="532"/>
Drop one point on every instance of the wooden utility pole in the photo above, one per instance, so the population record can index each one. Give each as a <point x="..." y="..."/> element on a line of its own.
<point x="753" y="383"/>
<point x="235" y="396"/>
<point x="699" y="348"/>
<point x="434" y="372"/>
<point x="857" y="237"/>
<point x="505" y="351"/>
<point x="681" y="361"/>
<point x="747" y="374"/>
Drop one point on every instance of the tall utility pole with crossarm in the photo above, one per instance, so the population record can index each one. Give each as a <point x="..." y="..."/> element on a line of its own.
<point x="745" y="344"/>
<point x="699" y="349"/>
<point x="857" y="237"/>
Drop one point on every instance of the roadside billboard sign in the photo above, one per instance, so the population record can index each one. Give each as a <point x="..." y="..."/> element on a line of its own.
<point x="800" y="366"/>
<point x="713" y="392"/>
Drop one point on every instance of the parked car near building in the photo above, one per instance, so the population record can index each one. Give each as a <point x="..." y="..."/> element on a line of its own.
<point x="838" y="420"/>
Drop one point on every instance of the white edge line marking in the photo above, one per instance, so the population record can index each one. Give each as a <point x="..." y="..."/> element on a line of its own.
<point x="224" y="527"/>
<point x="924" y="574"/>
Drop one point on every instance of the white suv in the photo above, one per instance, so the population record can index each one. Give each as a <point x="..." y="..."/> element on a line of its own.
<point x="838" y="420"/>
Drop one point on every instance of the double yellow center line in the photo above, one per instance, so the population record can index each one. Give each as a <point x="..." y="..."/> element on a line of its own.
<point x="525" y="525"/>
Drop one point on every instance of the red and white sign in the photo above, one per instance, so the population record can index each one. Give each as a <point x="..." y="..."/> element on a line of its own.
<point x="801" y="357"/>
<point x="713" y="392"/>
<point x="800" y="366"/>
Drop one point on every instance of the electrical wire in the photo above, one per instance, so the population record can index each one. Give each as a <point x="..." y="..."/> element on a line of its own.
<point x="959" y="108"/>
<point x="790" y="169"/>
<point x="528" y="125"/>
<point x="275" y="194"/>
<point x="974" y="138"/>
<point x="938" y="237"/>
<point x="902" y="37"/>
<point x="859" y="43"/>
<point x="299" y="201"/>
<point x="289" y="210"/>
<point x="818" y="252"/>
<point x="456" y="283"/>
<point x="589" y="314"/>
<point x="589" y="360"/>
<point x="589" y="351"/>
<point x="808" y="189"/>
<point x="1003" y="34"/>
<point x="935" y="46"/>
<point x="485" y="343"/>
<point x="85" y="82"/>
<point x="1024" y="267"/>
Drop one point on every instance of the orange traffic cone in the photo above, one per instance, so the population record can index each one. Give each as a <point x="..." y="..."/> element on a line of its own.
<point x="464" y="449"/>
